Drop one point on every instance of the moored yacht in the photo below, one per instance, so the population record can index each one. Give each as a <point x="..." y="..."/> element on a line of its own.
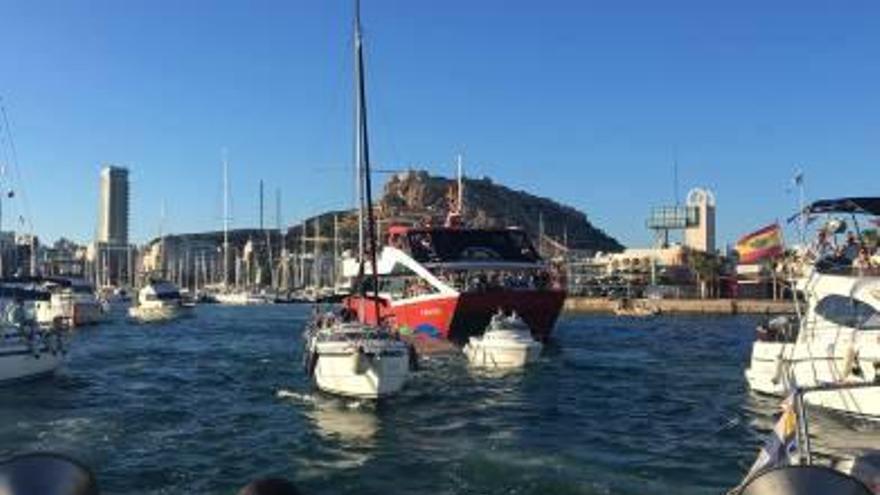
<point x="72" y="302"/>
<point x="158" y="301"/>
<point x="506" y="343"/>
<point x="836" y="340"/>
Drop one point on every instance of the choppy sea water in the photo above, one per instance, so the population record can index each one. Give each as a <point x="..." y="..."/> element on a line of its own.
<point x="203" y="405"/>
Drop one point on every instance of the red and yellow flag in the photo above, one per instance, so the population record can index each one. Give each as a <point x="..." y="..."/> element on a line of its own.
<point x="759" y="245"/>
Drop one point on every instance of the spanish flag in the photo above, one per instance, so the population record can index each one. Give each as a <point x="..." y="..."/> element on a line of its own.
<point x="759" y="245"/>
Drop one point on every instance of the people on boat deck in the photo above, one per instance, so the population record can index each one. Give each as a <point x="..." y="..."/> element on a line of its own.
<point x="855" y="252"/>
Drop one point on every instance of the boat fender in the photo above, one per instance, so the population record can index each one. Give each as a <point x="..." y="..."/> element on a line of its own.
<point x="413" y="358"/>
<point x="360" y="361"/>
<point x="848" y="360"/>
<point x="311" y="363"/>
<point x="780" y="366"/>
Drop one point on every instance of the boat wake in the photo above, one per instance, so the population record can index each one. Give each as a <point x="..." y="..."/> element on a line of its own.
<point x="302" y="398"/>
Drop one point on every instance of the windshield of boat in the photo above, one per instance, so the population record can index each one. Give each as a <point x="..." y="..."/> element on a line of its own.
<point x="849" y="312"/>
<point x="465" y="245"/>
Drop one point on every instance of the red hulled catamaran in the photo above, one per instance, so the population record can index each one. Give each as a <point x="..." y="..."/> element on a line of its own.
<point x="447" y="282"/>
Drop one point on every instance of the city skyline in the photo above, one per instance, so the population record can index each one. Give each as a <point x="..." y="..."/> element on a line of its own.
<point x="605" y="97"/>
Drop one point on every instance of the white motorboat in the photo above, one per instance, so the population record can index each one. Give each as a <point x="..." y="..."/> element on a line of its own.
<point x="351" y="359"/>
<point x="158" y="301"/>
<point x="71" y="303"/>
<point x="506" y="343"/>
<point x="836" y="340"/>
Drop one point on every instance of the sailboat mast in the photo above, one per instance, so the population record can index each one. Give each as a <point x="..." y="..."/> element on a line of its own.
<point x="359" y="138"/>
<point x="225" y="219"/>
<point x="364" y="161"/>
<point x="460" y="205"/>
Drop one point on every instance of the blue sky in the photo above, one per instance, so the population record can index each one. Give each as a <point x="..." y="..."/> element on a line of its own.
<point x="582" y="101"/>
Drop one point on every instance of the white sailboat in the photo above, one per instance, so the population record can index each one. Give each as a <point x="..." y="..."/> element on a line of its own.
<point x="345" y="356"/>
<point x="232" y="296"/>
<point x="26" y="349"/>
<point x="836" y="340"/>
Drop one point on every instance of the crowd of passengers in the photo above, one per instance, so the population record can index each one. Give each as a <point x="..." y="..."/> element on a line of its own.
<point x="484" y="281"/>
<point x="853" y="252"/>
<point x="488" y="280"/>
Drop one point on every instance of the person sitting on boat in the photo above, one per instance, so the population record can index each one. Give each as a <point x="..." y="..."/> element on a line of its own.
<point x="822" y="247"/>
<point x="863" y="263"/>
<point x="15" y="314"/>
<point x="850" y="250"/>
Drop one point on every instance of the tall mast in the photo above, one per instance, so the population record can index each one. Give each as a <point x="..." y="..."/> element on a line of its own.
<point x="225" y="219"/>
<point x="460" y="203"/>
<point x="362" y="152"/>
<point x="358" y="139"/>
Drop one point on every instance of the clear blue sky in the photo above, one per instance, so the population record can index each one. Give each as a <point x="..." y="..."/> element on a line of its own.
<point x="581" y="101"/>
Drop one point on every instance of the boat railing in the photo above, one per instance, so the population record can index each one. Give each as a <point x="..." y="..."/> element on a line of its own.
<point x="804" y="448"/>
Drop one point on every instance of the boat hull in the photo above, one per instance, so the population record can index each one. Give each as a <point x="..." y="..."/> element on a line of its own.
<point x="345" y="373"/>
<point x="458" y="317"/>
<point x="156" y="314"/>
<point x="776" y="368"/>
<point x="19" y="363"/>
<point x="507" y="355"/>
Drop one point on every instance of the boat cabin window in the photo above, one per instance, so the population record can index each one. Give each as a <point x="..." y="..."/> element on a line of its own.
<point x="163" y="296"/>
<point x="453" y="245"/>
<point x="849" y="312"/>
<point x="400" y="283"/>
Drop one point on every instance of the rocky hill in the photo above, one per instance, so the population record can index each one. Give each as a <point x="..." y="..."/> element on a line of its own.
<point x="418" y="198"/>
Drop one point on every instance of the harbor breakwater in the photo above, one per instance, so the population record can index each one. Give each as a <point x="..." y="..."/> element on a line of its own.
<point x="684" y="306"/>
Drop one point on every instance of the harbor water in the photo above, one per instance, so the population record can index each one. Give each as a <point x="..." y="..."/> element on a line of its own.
<point x="203" y="405"/>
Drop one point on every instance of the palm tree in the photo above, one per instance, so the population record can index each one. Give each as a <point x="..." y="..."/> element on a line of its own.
<point x="706" y="267"/>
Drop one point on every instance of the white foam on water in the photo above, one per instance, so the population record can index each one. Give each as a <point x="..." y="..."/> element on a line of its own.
<point x="297" y="396"/>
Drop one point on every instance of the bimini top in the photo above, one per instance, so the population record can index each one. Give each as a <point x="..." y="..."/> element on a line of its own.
<point x="863" y="206"/>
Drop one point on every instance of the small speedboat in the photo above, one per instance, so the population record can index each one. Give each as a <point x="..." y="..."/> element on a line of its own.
<point x="506" y="343"/>
<point x="352" y="359"/>
<point x="158" y="301"/>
